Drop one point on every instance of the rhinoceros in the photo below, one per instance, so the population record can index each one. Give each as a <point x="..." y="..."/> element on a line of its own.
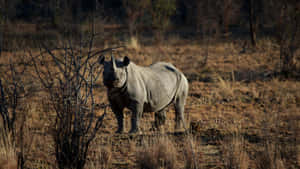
<point x="144" y="89"/>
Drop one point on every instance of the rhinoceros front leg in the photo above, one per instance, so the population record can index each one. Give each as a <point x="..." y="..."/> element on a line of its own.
<point x="135" y="119"/>
<point x="120" y="118"/>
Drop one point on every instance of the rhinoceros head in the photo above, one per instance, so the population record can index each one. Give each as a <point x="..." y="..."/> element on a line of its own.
<point x="114" y="74"/>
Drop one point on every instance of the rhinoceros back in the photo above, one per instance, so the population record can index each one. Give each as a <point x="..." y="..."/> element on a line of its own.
<point x="162" y="81"/>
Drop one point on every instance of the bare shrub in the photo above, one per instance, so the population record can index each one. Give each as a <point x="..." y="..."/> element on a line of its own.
<point x="70" y="87"/>
<point x="162" y="154"/>
<point x="13" y="111"/>
<point x="11" y="92"/>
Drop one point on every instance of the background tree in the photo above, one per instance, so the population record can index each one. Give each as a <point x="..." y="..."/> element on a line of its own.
<point x="135" y="11"/>
<point x="161" y="12"/>
<point x="288" y="34"/>
<point x="251" y="22"/>
<point x="252" y="7"/>
<point x="212" y="17"/>
<point x="229" y="13"/>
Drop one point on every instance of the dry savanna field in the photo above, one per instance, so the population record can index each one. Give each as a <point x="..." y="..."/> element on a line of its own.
<point x="240" y="112"/>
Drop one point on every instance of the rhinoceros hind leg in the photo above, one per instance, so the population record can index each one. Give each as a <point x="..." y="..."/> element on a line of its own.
<point x="179" y="111"/>
<point x="160" y="118"/>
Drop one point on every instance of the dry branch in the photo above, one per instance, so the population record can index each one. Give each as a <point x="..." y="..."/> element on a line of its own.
<point x="69" y="82"/>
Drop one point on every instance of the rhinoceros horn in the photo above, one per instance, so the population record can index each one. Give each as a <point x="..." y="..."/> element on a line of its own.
<point x="113" y="62"/>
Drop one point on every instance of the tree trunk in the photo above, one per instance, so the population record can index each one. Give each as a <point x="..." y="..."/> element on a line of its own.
<point x="288" y="38"/>
<point x="251" y="22"/>
<point x="287" y="59"/>
<point x="1" y="38"/>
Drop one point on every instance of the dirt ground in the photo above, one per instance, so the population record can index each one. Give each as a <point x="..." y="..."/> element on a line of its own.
<point x="239" y="112"/>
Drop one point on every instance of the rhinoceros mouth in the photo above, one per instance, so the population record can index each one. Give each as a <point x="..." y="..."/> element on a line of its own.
<point x="109" y="84"/>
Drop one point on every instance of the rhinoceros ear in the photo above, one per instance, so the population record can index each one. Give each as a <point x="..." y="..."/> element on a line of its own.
<point x="126" y="61"/>
<point x="101" y="59"/>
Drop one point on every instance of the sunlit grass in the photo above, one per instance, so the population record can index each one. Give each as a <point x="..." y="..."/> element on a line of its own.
<point x="223" y="97"/>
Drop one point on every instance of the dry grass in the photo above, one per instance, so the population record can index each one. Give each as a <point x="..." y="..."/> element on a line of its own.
<point x="225" y="88"/>
<point x="101" y="159"/>
<point x="234" y="154"/>
<point x="133" y="43"/>
<point x="234" y="94"/>
<point x="162" y="155"/>
<point x="270" y="158"/>
<point x="8" y="156"/>
<point x="192" y="158"/>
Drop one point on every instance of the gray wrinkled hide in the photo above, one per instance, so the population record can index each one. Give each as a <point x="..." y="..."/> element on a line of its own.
<point x="144" y="89"/>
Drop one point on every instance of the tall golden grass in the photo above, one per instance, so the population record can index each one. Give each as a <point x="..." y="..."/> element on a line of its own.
<point x="162" y="155"/>
<point x="8" y="155"/>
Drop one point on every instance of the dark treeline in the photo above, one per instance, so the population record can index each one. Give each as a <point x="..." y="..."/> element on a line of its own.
<point x="219" y="18"/>
<point x="219" y="15"/>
